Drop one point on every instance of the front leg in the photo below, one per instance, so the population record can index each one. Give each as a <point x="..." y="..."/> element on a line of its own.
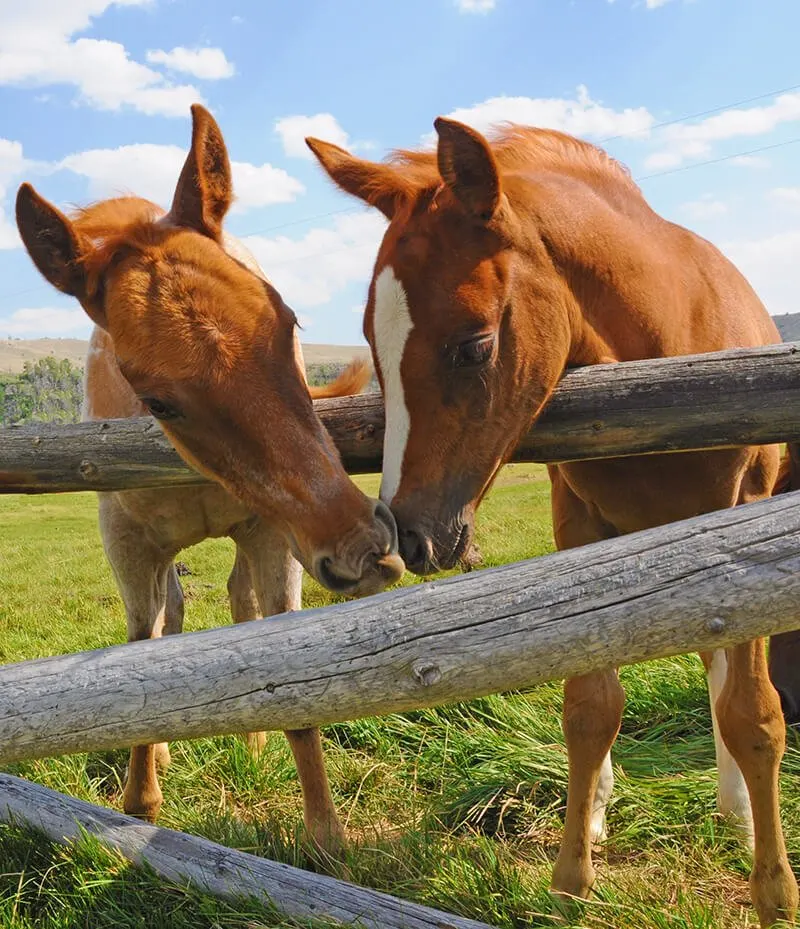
<point x="592" y="716"/>
<point x="275" y="586"/>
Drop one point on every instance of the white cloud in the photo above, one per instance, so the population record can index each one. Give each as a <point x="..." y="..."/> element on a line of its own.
<point x="151" y="171"/>
<point x="309" y="271"/>
<point x="704" y="208"/>
<point x="476" y="6"/>
<point x="294" y="129"/>
<point x="32" y="322"/>
<point x="12" y="165"/>
<point x="692" y="140"/>
<point x="208" y="64"/>
<point x="787" y="196"/>
<point x="654" y="4"/>
<point x="580" y="116"/>
<point x="771" y="266"/>
<point x="38" y="47"/>
<point x="750" y="161"/>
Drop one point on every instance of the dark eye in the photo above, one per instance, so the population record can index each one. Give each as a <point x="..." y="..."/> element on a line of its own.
<point x="159" y="409"/>
<point x="474" y="352"/>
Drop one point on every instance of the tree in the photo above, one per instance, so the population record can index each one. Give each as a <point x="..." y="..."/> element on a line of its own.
<point x="48" y="390"/>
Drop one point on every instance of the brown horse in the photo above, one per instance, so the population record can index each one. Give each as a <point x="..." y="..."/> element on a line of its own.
<point x="189" y="330"/>
<point x="504" y="263"/>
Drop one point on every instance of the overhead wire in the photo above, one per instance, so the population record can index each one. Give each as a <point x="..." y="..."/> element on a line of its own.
<point x="623" y="135"/>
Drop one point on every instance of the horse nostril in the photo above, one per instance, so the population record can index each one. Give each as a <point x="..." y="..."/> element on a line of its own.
<point x="415" y="550"/>
<point x="327" y="576"/>
<point x="384" y="515"/>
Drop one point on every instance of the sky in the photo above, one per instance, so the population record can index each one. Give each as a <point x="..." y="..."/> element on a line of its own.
<point x="700" y="98"/>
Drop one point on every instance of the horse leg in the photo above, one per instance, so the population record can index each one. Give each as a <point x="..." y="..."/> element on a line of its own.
<point x="575" y="524"/>
<point x="277" y="581"/>
<point x="173" y="623"/>
<point x="751" y="724"/>
<point x="142" y="573"/>
<point x="733" y="800"/>
<point x="244" y="608"/>
<point x="592" y="716"/>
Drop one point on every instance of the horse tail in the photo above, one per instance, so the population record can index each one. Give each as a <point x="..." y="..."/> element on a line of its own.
<point x="784" y="649"/>
<point x="352" y="380"/>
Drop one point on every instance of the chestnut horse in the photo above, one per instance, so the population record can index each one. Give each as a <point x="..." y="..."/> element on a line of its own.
<point x="504" y="263"/>
<point x="188" y="329"/>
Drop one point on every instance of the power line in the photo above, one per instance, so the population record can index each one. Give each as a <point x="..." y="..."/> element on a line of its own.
<point x="299" y="222"/>
<point x="622" y="135"/>
<point x="714" y="161"/>
<point x="711" y="112"/>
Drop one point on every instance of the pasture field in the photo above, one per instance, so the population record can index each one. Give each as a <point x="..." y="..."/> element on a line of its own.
<point x="458" y="807"/>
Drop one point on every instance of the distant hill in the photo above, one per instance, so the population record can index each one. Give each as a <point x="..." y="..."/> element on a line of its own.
<point x="15" y="352"/>
<point x="788" y="326"/>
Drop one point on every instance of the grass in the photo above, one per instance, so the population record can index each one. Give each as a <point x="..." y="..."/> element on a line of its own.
<point x="458" y="807"/>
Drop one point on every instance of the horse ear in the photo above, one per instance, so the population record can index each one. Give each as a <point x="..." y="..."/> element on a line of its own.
<point x="205" y="189"/>
<point x="468" y="167"/>
<point x="52" y="242"/>
<point x="377" y="184"/>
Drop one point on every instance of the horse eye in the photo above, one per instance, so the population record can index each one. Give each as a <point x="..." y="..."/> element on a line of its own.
<point x="475" y="352"/>
<point x="159" y="409"/>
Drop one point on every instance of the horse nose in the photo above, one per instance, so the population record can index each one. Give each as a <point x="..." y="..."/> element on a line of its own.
<point x="416" y="551"/>
<point x="384" y="515"/>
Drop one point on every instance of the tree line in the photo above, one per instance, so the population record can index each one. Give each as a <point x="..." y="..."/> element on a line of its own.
<point x="50" y="390"/>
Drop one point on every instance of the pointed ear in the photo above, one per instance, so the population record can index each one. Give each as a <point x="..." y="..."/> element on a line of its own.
<point x="468" y="167"/>
<point x="52" y="242"/>
<point x="377" y="184"/>
<point x="205" y="189"/>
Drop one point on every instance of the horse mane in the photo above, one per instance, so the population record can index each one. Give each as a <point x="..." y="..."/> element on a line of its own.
<point x="110" y="218"/>
<point x="517" y="147"/>
<point x="113" y="225"/>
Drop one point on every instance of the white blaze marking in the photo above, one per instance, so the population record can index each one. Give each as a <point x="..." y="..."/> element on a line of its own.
<point x="733" y="798"/>
<point x="392" y="327"/>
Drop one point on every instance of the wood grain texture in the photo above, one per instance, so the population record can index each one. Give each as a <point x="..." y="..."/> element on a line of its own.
<point x="722" y="399"/>
<point x="702" y="583"/>
<point x="182" y="858"/>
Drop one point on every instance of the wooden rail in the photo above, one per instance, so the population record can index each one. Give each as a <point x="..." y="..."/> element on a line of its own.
<point x="698" y="584"/>
<point x="179" y="858"/>
<point x="722" y="399"/>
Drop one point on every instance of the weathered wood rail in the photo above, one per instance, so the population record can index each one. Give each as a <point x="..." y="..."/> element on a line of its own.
<point x="703" y="583"/>
<point x="740" y="397"/>
<point x="219" y="870"/>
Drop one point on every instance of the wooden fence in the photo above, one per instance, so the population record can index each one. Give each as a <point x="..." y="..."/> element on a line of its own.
<point x="746" y="396"/>
<point x="704" y="583"/>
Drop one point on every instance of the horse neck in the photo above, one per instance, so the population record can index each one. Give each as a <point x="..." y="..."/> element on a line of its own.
<point x="642" y="287"/>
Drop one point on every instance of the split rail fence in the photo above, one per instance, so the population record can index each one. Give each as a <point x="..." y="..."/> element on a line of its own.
<point x="703" y="583"/>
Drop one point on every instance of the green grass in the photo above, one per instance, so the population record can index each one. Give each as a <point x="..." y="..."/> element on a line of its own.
<point x="458" y="807"/>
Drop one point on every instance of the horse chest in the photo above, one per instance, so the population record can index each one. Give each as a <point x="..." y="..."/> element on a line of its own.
<point x="176" y="519"/>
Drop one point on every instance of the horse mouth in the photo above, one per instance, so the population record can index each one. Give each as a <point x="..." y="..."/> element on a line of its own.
<point x="458" y="549"/>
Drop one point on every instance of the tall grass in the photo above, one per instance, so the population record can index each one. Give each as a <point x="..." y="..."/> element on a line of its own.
<point x="458" y="807"/>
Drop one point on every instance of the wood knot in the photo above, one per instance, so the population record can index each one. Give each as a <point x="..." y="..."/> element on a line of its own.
<point x="270" y="688"/>
<point x="717" y="625"/>
<point x="426" y="673"/>
<point x="369" y="429"/>
<point x="36" y="440"/>
<point x="597" y="426"/>
<point x="87" y="469"/>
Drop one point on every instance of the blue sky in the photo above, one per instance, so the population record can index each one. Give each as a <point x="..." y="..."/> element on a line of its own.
<point x="95" y="97"/>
